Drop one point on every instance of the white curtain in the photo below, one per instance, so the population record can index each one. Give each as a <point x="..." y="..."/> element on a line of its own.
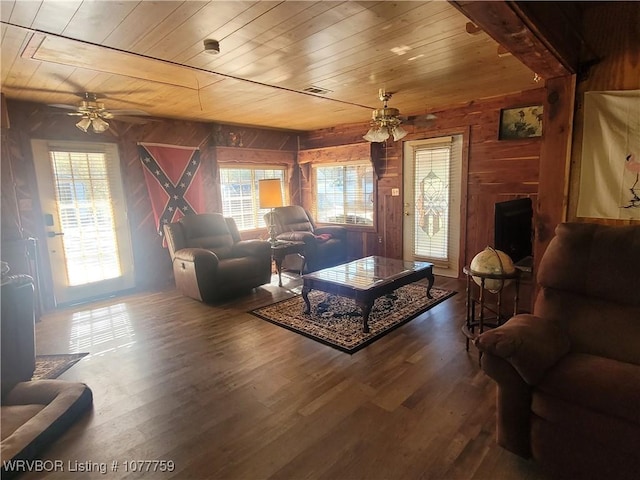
<point x="610" y="169"/>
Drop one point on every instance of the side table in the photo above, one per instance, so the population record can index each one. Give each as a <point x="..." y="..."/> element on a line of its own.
<point x="477" y="305"/>
<point x="281" y="249"/>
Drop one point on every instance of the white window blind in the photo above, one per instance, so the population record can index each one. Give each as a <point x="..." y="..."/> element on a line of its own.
<point x="85" y="205"/>
<point x="240" y="200"/>
<point x="344" y="193"/>
<point x="432" y="187"/>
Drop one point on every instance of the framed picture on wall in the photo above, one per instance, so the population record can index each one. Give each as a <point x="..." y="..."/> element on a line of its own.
<point x="521" y="122"/>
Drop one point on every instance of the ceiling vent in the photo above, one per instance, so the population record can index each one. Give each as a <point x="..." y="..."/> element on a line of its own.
<point x="316" y="90"/>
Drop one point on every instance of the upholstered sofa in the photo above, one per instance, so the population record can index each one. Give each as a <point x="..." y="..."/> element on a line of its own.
<point x="33" y="413"/>
<point x="211" y="262"/>
<point x="324" y="247"/>
<point x="568" y="375"/>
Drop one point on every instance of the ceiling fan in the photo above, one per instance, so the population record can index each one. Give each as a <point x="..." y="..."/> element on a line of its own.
<point x="94" y="114"/>
<point x="385" y="121"/>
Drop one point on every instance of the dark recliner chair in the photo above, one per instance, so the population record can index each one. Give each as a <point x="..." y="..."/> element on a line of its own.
<point x="568" y="376"/>
<point x="324" y="246"/>
<point x="34" y="412"/>
<point x="210" y="261"/>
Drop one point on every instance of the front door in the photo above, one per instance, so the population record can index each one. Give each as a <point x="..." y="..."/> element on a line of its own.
<point x="432" y="172"/>
<point x="88" y="240"/>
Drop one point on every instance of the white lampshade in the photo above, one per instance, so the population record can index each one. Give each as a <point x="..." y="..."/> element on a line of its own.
<point x="84" y="124"/>
<point x="270" y="193"/>
<point x="398" y="132"/>
<point x="99" y="125"/>
<point x="376" y="134"/>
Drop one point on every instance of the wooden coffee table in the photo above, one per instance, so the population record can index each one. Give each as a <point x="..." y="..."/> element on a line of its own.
<point x="366" y="279"/>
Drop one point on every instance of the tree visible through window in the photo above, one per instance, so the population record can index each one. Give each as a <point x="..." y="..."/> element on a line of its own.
<point x="240" y="194"/>
<point x="344" y="194"/>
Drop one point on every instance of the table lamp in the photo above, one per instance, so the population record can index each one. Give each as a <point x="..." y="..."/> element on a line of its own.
<point x="270" y="196"/>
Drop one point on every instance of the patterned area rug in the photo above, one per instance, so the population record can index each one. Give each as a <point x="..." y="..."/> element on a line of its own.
<point x="337" y="321"/>
<point x="52" y="366"/>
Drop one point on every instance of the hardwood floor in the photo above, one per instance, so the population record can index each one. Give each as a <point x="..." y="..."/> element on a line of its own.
<point x="226" y="395"/>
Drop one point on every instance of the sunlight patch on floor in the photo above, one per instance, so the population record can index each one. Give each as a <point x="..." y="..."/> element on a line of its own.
<point x="98" y="329"/>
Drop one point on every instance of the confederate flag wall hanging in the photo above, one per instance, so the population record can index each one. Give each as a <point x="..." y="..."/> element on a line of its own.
<point x="174" y="180"/>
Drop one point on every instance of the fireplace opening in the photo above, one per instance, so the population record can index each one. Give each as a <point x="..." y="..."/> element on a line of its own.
<point x="514" y="230"/>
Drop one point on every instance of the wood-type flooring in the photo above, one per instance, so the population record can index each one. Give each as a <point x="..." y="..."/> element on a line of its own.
<point x="225" y="395"/>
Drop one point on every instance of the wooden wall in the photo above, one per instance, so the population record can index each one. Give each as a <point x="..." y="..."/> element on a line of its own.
<point x="612" y="30"/>
<point x="21" y="213"/>
<point x="497" y="170"/>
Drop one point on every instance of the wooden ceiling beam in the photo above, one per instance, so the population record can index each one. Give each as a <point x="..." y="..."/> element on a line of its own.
<point x="537" y="33"/>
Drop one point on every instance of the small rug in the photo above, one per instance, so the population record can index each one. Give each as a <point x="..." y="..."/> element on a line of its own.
<point x="52" y="366"/>
<point x="337" y="321"/>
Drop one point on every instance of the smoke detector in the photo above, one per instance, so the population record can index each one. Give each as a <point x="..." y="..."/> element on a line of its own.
<point x="211" y="46"/>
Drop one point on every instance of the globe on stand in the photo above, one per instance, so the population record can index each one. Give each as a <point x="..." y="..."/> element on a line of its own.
<point x="492" y="262"/>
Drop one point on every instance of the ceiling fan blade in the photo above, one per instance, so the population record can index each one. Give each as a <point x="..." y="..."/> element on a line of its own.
<point x="71" y="83"/>
<point x="43" y="90"/>
<point x="138" y="120"/>
<point x="131" y="102"/>
<point x="128" y="112"/>
<point x="62" y="105"/>
<point x="420" y="120"/>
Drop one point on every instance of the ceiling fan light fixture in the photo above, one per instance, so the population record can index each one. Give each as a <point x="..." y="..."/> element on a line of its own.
<point x="99" y="125"/>
<point x="385" y="122"/>
<point x="398" y="133"/>
<point x="211" y="46"/>
<point x="84" y="124"/>
<point x="376" y="134"/>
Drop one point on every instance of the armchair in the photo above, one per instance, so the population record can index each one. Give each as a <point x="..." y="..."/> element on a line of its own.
<point x="34" y="412"/>
<point x="568" y="376"/>
<point x="209" y="259"/>
<point x="324" y="246"/>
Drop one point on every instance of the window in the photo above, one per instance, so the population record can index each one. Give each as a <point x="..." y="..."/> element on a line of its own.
<point x="85" y="205"/>
<point x="344" y="194"/>
<point x="240" y="194"/>
<point x="432" y="183"/>
<point x="432" y="201"/>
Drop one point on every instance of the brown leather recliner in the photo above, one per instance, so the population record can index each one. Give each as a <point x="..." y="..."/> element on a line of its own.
<point x="210" y="261"/>
<point x="568" y="376"/>
<point x="324" y="246"/>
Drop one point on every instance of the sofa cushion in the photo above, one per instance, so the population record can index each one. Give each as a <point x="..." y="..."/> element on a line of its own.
<point x="207" y="230"/>
<point x="597" y="383"/>
<point x="595" y="261"/>
<point x="586" y="423"/>
<point x="595" y="326"/>
<point x="221" y="245"/>
<point x="590" y="285"/>
<point x="237" y="270"/>
<point x="570" y="454"/>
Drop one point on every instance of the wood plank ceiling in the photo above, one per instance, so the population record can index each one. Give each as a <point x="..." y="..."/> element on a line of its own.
<point x="149" y="55"/>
